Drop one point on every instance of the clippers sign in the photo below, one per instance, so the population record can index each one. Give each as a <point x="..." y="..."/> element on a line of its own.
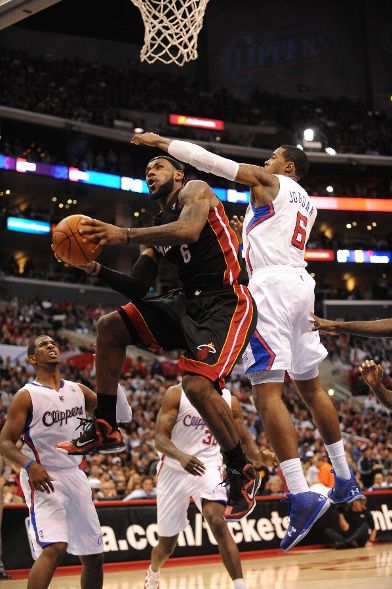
<point x="199" y="123"/>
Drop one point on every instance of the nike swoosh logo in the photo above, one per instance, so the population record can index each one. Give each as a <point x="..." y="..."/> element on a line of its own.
<point x="79" y="444"/>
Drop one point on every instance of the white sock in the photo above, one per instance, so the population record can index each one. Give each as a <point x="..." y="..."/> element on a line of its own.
<point x="239" y="584"/>
<point x="153" y="573"/>
<point x="294" y="475"/>
<point x="338" y="459"/>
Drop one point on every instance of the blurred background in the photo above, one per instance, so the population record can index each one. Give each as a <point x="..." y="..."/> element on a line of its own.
<point x="72" y="93"/>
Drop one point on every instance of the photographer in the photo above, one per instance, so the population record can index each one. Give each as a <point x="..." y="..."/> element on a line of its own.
<point x="356" y="526"/>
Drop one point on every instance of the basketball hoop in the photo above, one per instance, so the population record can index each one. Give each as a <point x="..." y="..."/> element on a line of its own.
<point x="171" y="29"/>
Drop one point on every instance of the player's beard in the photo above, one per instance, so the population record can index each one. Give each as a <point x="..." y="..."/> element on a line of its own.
<point x="163" y="190"/>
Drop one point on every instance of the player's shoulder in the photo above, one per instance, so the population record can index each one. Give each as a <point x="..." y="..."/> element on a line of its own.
<point x="194" y="188"/>
<point x="22" y="397"/>
<point x="172" y="395"/>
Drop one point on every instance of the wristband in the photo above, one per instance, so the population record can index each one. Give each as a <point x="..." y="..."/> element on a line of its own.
<point x="28" y="464"/>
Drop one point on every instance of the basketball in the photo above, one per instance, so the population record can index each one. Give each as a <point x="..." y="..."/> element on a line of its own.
<point x="69" y="245"/>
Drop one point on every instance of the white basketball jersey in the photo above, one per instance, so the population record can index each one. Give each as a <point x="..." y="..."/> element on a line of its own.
<point x="276" y="234"/>
<point x="191" y="435"/>
<point x="54" y="419"/>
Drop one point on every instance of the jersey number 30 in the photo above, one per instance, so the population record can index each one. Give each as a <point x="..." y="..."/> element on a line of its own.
<point x="299" y="236"/>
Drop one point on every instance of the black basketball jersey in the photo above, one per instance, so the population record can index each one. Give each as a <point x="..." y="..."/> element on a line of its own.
<point x="210" y="262"/>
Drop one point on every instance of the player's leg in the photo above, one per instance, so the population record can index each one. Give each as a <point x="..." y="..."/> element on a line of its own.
<point x="325" y="417"/>
<point x="214" y="512"/>
<point x="217" y="328"/>
<point x="159" y="555"/>
<point x="148" y="324"/>
<point x="307" y="354"/>
<point x="45" y="566"/>
<point x="306" y="507"/>
<point x="92" y="571"/>
<point x="172" y="507"/>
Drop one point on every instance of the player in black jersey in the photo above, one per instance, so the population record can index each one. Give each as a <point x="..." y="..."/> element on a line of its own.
<point x="211" y="319"/>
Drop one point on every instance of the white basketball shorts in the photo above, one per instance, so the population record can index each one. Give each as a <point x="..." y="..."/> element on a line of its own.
<point x="284" y="297"/>
<point x="175" y="487"/>
<point x="67" y="515"/>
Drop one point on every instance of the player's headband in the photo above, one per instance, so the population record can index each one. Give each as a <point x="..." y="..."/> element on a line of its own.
<point x="178" y="165"/>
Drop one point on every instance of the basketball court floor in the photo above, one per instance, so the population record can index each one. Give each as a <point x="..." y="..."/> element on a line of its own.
<point x="361" y="568"/>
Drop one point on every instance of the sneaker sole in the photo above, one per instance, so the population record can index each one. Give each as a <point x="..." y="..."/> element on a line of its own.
<point x="349" y="500"/>
<point x="325" y="508"/>
<point x="112" y="450"/>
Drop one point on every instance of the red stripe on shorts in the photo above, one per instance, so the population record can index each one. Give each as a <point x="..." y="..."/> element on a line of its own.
<point x="137" y="319"/>
<point x="235" y="340"/>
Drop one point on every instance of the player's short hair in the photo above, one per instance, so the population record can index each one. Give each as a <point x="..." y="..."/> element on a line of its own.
<point x="178" y="165"/>
<point x="31" y="347"/>
<point x="298" y="157"/>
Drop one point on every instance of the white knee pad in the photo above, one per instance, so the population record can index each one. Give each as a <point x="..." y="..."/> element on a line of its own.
<point x="266" y="376"/>
<point x="312" y="373"/>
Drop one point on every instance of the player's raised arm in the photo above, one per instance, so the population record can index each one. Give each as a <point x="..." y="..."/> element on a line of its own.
<point x="208" y="162"/>
<point x="165" y="422"/>
<point x="18" y="413"/>
<point x="372" y="374"/>
<point x="379" y="328"/>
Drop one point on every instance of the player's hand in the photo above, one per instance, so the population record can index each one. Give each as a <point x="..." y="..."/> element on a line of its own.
<point x="149" y="139"/>
<point x="372" y="373"/>
<point x="102" y="233"/>
<point x="237" y="224"/>
<point x="40" y="479"/>
<point x="323" y="325"/>
<point x="88" y="267"/>
<point x="192" y="465"/>
<point x="268" y="458"/>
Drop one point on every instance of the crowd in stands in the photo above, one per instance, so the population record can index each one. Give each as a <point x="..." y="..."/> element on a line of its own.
<point x="95" y="93"/>
<point x="366" y="425"/>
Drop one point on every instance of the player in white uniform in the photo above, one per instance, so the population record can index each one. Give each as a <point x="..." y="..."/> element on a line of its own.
<point x="191" y="465"/>
<point x="275" y="231"/>
<point x="62" y="514"/>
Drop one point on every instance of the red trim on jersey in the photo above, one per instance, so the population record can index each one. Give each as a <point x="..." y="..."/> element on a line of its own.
<point x="266" y="346"/>
<point x="237" y="334"/>
<point x="161" y="465"/>
<point x="141" y="327"/>
<point x="247" y="258"/>
<point x="258" y="220"/>
<point x="228" y="242"/>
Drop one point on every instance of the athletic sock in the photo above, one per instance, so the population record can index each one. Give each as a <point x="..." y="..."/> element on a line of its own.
<point x="338" y="458"/>
<point x="294" y="476"/>
<point x="106" y="409"/>
<point x="153" y="573"/>
<point x="239" y="584"/>
<point x="235" y="458"/>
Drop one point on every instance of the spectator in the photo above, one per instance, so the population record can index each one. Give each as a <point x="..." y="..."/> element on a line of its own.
<point x="356" y="526"/>
<point x="147" y="491"/>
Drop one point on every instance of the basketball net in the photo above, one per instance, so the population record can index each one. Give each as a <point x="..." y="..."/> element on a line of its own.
<point x="171" y="29"/>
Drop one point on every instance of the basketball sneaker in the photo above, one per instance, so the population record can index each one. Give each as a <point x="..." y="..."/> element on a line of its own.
<point x="152" y="579"/>
<point x="242" y="489"/>
<point x="304" y="510"/>
<point x="344" y="491"/>
<point x="97" y="436"/>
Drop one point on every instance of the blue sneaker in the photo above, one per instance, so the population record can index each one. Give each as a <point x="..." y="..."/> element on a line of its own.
<point x="304" y="510"/>
<point x="344" y="491"/>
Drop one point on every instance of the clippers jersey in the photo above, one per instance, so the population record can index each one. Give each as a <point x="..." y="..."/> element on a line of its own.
<point x="212" y="261"/>
<point x="192" y="436"/>
<point x="54" y="418"/>
<point x="276" y="234"/>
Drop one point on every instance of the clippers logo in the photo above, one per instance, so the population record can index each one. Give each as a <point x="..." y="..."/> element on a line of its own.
<point x="61" y="398"/>
<point x="204" y="350"/>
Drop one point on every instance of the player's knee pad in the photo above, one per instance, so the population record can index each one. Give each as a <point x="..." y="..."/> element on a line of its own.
<point x="312" y="373"/>
<point x="266" y="376"/>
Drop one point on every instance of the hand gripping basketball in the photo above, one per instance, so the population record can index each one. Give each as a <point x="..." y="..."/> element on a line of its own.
<point x="102" y="233"/>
